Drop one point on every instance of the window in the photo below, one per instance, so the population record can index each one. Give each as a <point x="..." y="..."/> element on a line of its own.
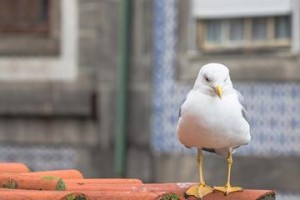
<point x="32" y="56"/>
<point x="29" y="27"/>
<point x="225" y="31"/>
<point x="258" y="33"/>
<point x="24" y="15"/>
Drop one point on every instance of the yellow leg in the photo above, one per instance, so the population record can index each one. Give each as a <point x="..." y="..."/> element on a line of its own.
<point x="228" y="188"/>
<point x="199" y="191"/>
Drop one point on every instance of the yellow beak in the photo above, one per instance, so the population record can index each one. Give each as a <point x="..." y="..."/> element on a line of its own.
<point x="219" y="91"/>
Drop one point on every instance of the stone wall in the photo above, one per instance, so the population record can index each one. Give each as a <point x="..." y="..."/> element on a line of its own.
<point x="99" y="34"/>
<point x="79" y="117"/>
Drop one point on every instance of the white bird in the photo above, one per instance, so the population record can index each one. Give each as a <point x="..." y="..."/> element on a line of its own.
<point x="213" y="118"/>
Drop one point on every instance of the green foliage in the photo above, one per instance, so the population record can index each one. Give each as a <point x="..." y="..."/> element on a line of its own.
<point x="61" y="186"/>
<point x="170" y="196"/>
<point x="70" y="197"/>
<point x="75" y="197"/>
<point x="10" y="184"/>
<point x="50" y="178"/>
<point x="268" y="197"/>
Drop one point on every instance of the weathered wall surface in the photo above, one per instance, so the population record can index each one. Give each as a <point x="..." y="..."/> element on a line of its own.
<point x="79" y="116"/>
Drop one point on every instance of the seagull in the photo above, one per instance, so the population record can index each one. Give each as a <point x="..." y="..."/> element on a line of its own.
<point x="213" y="118"/>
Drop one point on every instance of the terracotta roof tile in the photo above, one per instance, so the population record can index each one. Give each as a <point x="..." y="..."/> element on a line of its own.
<point x="44" y="185"/>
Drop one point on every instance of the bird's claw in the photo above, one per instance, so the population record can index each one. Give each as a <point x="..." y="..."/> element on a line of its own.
<point x="227" y="189"/>
<point x="199" y="191"/>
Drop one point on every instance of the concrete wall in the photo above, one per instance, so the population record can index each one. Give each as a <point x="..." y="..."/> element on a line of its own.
<point x="103" y="44"/>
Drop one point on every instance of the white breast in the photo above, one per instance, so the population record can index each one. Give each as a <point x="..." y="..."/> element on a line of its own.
<point x="207" y="121"/>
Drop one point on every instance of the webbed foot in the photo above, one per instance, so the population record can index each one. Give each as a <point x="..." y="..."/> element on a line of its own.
<point x="199" y="191"/>
<point x="227" y="189"/>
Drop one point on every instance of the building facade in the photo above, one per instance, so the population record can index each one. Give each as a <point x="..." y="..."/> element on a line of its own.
<point x="58" y="66"/>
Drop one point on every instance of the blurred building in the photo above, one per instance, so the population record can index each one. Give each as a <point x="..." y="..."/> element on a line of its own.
<point x="59" y="74"/>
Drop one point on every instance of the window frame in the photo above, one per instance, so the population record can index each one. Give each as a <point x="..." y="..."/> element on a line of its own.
<point x="290" y="7"/>
<point x="33" y="42"/>
<point x="247" y="43"/>
<point x="44" y="68"/>
<point x="272" y="65"/>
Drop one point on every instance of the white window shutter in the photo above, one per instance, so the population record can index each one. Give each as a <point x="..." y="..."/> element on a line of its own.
<point x="209" y="9"/>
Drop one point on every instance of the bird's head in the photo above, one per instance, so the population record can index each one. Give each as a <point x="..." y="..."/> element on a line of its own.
<point x="213" y="78"/>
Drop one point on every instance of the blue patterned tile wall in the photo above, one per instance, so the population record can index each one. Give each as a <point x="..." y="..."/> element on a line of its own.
<point x="39" y="157"/>
<point x="273" y="107"/>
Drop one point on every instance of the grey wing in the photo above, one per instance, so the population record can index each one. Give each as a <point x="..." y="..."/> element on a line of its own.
<point x="179" y="113"/>
<point x="243" y="104"/>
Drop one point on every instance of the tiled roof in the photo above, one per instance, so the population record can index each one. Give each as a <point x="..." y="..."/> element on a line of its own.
<point x="17" y="182"/>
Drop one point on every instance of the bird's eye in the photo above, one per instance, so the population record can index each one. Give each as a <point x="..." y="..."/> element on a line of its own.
<point x="207" y="79"/>
<point x="226" y="79"/>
